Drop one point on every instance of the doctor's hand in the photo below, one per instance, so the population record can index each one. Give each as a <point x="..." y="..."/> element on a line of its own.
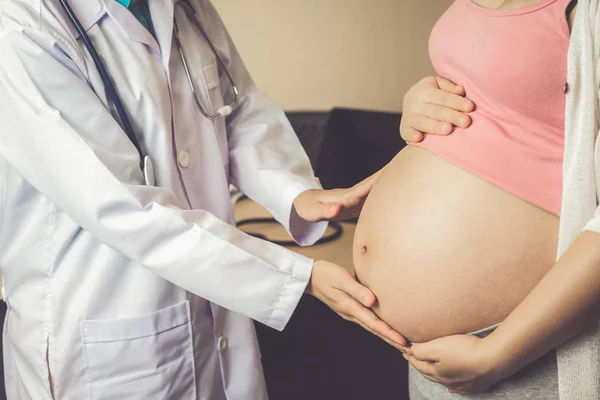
<point x="338" y="289"/>
<point x="465" y="364"/>
<point x="336" y="204"/>
<point x="434" y="106"/>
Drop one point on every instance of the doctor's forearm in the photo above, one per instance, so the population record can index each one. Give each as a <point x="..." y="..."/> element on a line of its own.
<point x="564" y="303"/>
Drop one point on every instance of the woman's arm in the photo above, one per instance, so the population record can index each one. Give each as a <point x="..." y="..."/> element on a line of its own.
<point x="564" y="303"/>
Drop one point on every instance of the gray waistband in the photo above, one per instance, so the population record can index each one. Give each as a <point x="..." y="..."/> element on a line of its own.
<point x="485" y="331"/>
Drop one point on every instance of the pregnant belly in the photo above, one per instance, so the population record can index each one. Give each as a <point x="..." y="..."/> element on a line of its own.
<point x="446" y="252"/>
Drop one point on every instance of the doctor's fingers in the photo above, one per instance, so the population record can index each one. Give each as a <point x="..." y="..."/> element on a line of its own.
<point x="321" y="211"/>
<point x="350" y="292"/>
<point x="360" y="191"/>
<point x="351" y="197"/>
<point x="403" y="347"/>
<point x="365" y="317"/>
<point x="367" y="183"/>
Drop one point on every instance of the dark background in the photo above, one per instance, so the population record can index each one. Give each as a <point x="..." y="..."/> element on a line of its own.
<point x="320" y="356"/>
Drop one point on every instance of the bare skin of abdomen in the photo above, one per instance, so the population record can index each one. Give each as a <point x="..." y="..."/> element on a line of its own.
<point x="444" y="251"/>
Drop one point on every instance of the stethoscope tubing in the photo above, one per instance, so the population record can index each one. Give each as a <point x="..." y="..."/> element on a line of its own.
<point x="145" y="161"/>
<point x="110" y="87"/>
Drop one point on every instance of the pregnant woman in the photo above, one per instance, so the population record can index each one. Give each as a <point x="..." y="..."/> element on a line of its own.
<point x="459" y="238"/>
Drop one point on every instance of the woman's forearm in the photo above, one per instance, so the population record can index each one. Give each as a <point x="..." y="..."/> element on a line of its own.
<point x="563" y="304"/>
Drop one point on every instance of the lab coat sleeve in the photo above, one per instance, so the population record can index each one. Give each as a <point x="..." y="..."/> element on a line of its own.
<point x="57" y="135"/>
<point x="267" y="161"/>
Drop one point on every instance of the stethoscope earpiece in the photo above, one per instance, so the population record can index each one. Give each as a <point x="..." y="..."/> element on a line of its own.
<point x="225" y="111"/>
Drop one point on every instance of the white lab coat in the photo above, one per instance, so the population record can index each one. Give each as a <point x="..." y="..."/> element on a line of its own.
<point x="129" y="291"/>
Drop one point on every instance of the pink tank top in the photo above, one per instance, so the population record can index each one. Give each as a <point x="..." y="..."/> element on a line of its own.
<point x="513" y="64"/>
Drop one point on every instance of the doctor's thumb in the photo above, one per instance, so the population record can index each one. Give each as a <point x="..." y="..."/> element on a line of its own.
<point x="368" y="299"/>
<point x="364" y="296"/>
<point x="325" y="212"/>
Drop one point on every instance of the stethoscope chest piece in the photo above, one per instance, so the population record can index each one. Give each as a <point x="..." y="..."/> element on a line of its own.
<point x="149" y="177"/>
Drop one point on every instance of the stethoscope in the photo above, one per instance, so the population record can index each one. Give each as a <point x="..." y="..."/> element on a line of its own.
<point x="338" y="231"/>
<point x="145" y="160"/>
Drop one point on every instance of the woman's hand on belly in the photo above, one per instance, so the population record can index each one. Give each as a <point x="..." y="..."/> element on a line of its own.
<point x="338" y="289"/>
<point x="433" y="106"/>
<point x="462" y="363"/>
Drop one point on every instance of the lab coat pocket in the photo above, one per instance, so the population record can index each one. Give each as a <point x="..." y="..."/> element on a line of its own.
<point x="144" y="357"/>
<point x="213" y="88"/>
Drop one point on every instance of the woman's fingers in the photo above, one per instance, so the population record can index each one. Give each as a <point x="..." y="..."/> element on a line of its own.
<point x="432" y="119"/>
<point x="432" y="378"/>
<point x="424" y="367"/>
<point x="410" y="134"/>
<point x="444" y="114"/>
<point x="448" y="99"/>
<point x="449" y="86"/>
<point x="425" y="352"/>
<point x="434" y="106"/>
<point x="426" y="125"/>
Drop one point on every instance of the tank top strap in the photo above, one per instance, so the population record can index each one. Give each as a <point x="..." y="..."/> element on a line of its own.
<point x="559" y="11"/>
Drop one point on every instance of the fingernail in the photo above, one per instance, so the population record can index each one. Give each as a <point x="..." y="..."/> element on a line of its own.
<point x="415" y="137"/>
<point x="462" y="121"/>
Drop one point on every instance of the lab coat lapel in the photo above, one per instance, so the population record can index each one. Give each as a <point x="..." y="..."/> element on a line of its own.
<point x="88" y="12"/>
<point x="161" y="12"/>
<point x="129" y="25"/>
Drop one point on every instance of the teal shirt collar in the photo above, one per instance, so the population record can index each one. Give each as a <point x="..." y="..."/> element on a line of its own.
<point x="141" y="12"/>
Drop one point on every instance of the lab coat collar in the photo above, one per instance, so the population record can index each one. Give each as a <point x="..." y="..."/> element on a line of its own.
<point x="89" y="12"/>
<point x="161" y="12"/>
<point x="129" y="25"/>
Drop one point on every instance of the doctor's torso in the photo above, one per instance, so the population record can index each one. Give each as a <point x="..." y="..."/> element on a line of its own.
<point x="190" y="157"/>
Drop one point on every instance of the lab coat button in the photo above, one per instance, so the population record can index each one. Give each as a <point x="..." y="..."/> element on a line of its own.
<point x="222" y="344"/>
<point x="184" y="159"/>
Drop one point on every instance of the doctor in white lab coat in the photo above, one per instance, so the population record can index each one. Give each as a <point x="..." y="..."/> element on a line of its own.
<point x="117" y="290"/>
